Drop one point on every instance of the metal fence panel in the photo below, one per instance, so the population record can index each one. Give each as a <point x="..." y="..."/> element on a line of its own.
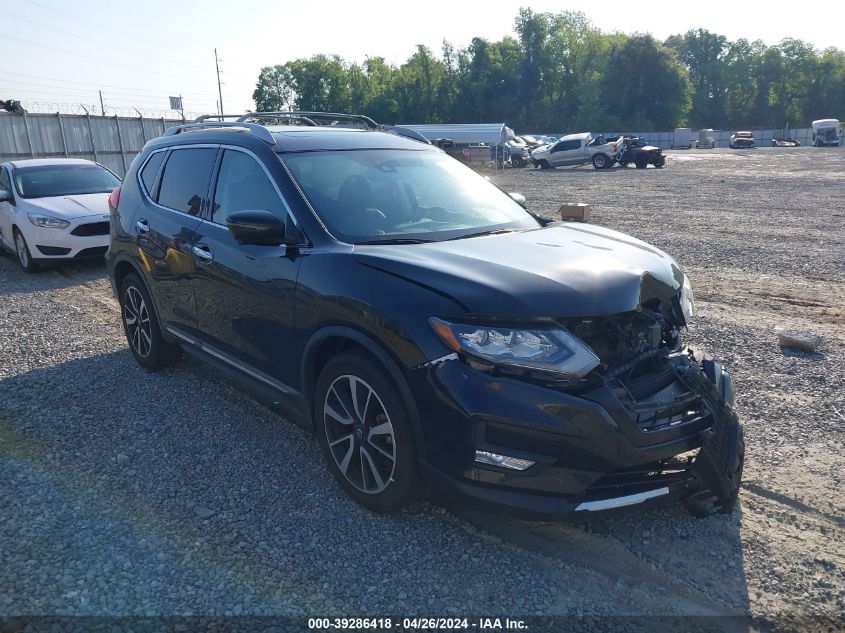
<point x="112" y="141"/>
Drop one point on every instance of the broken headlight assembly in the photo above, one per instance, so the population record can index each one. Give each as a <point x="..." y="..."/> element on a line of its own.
<point x="687" y="300"/>
<point x="552" y="350"/>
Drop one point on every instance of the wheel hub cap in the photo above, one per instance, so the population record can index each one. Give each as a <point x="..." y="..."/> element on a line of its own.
<point x="360" y="434"/>
<point x="136" y="317"/>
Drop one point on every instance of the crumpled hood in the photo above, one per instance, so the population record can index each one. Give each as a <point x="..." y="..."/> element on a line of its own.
<point x="564" y="270"/>
<point x="70" y="207"/>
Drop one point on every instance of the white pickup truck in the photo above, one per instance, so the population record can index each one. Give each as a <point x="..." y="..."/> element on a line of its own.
<point x="577" y="149"/>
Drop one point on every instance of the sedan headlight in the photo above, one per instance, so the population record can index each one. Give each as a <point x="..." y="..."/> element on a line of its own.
<point x="552" y="350"/>
<point x="687" y="300"/>
<point x="47" y="222"/>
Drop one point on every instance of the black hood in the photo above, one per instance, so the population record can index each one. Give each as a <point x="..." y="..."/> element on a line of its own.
<point x="564" y="270"/>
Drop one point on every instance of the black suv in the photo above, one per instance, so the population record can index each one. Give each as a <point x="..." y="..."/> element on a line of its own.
<point x="431" y="332"/>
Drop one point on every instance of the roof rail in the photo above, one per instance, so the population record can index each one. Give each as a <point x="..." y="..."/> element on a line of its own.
<point x="338" y="116"/>
<point x="293" y="116"/>
<point x="307" y="117"/>
<point x="259" y="131"/>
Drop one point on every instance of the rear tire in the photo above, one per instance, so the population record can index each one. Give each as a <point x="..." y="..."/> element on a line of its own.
<point x="141" y="326"/>
<point x="600" y="161"/>
<point x="641" y="164"/>
<point x="365" y="432"/>
<point x="28" y="264"/>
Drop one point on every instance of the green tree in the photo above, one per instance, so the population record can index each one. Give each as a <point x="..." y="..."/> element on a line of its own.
<point x="648" y="87"/>
<point x="703" y="53"/>
<point x="274" y="90"/>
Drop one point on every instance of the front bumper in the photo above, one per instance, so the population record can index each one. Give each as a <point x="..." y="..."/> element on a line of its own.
<point x="607" y="448"/>
<point x="85" y="237"/>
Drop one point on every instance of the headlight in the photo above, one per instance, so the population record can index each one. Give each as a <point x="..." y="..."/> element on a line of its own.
<point x="47" y="222"/>
<point x="687" y="300"/>
<point x="551" y="350"/>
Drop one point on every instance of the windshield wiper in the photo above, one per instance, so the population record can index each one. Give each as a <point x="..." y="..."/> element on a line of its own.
<point x="491" y="232"/>
<point x="397" y="240"/>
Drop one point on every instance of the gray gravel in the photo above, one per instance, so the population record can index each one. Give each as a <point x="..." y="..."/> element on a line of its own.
<point x="129" y="493"/>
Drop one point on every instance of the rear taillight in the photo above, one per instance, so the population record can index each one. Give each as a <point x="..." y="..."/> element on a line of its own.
<point x="613" y="148"/>
<point x="114" y="198"/>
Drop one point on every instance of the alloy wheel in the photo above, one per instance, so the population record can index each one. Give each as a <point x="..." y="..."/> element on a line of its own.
<point x="360" y="434"/>
<point x="137" y="319"/>
<point x="20" y="245"/>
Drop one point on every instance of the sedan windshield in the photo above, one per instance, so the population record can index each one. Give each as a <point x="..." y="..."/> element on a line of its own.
<point x="63" y="180"/>
<point x="400" y="196"/>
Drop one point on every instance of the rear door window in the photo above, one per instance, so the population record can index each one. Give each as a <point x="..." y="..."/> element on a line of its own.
<point x="185" y="179"/>
<point x="243" y="185"/>
<point x="5" y="183"/>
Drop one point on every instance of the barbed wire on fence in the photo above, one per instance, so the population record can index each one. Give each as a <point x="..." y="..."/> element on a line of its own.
<point x="52" y="107"/>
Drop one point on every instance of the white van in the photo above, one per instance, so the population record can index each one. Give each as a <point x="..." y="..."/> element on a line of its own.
<point x="826" y="133"/>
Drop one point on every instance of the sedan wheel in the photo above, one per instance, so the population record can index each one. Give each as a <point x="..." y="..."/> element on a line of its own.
<point x="360" y="434"/>
<point x="24" y="256"/>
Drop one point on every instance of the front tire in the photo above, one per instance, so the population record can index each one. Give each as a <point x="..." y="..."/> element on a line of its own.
<point x="365" y="433"/>
<point x="24" y="254"/>
<point x="141" y="326"/>
<point x="544" y="164"/>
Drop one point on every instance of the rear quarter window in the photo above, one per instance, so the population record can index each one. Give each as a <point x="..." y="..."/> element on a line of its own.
<point x="150" y="171"/>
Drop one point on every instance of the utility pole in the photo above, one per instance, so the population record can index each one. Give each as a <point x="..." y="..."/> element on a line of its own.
<point x="102" y="107"/>
<point x="219" y="90"/>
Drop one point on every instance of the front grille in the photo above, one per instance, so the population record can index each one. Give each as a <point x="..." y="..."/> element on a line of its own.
<point x="631" y="481"/>
<point x="657" y="396"/>
<point x="92" y="228"/>
<point x="52" y="250"/>
<point x="96" y="251"/>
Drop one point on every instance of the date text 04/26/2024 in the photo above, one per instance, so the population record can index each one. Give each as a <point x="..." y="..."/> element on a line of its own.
<point x="416" y="624"/>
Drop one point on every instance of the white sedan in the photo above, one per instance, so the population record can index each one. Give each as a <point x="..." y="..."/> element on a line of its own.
<point x="54" y="209"/>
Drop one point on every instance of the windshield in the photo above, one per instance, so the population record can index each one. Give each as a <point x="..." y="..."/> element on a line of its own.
<point x="372" y="196"/>
<point x="63" y="180"/>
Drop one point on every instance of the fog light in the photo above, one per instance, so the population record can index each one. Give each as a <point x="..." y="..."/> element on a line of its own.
<point x="493" y="459"/>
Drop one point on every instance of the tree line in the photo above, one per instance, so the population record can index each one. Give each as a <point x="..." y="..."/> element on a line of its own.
<point x="560" y="72"/>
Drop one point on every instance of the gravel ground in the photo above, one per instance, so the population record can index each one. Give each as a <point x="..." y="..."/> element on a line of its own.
<point x="129" y="493"/>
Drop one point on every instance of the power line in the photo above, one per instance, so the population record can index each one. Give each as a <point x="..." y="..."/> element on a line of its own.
<point x="94" y="86"/>
<point x="88" y="39"/>
<point x="95" y="59"/>
<point x="109" y="27"/>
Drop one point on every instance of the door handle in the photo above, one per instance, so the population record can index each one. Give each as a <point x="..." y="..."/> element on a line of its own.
<point x="142" y="226"/>
<point x="203" y="253"/>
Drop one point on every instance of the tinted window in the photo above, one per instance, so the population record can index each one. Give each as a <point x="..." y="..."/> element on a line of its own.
<point x="185" y="178"/>
<point x="150" y="170"/>
<point x="567" y="145"/>
<point x="64" y="180"/>
<point x="5" y="185"/>
<point x="243" y="185"/>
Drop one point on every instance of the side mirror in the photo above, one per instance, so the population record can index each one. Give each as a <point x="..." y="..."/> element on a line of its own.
<point x="5" y="196"/>
<point x="518" y="198"/>
<point x="258" y="228"/>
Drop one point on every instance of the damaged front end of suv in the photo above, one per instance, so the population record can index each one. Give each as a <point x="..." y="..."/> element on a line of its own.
<point x="582" y="413"/>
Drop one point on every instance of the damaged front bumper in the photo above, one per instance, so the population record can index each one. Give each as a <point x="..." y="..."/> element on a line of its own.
<point x="669" y="433"/>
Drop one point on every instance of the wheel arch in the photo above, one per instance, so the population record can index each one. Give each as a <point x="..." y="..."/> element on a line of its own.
<point x="121" y="268"/>
<point x="333" y="339"/>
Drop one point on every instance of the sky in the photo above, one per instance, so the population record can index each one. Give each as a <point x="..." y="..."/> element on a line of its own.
<point x="139" y="53"/>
